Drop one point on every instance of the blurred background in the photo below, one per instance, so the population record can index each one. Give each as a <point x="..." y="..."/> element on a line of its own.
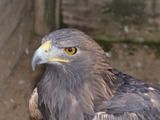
<point x="128" y="30"/>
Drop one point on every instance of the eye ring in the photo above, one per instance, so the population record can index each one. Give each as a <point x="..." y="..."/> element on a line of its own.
<point x="70" y="50"/>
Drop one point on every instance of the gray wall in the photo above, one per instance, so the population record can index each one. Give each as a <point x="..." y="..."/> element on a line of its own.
<point x="114" y="19"/>
<point x="16" y="25"/>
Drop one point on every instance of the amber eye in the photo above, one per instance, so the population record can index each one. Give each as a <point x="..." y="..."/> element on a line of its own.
<point x="70" y="50"/>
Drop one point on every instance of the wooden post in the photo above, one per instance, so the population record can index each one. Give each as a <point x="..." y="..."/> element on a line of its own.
<point x="47" y="16"/>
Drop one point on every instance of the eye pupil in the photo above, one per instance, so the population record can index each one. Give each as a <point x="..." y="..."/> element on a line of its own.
<point x="70" y="49"/>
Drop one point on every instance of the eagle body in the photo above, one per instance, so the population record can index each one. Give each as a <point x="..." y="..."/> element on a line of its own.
<point x="80" y="84"/>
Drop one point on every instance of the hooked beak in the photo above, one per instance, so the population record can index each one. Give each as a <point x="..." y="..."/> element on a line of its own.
<point x="42" y="55"/>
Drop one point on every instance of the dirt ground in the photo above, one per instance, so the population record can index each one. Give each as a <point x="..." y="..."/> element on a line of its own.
<point x="140" y="61"/>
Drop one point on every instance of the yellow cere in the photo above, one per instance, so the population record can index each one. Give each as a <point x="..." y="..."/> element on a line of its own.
<point x="56" y="59"/>
<point x="46" y="46"/>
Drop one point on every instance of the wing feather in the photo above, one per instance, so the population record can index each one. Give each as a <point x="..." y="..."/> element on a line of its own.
<point x="133" y="100"/>
<point x="124" y="116"/>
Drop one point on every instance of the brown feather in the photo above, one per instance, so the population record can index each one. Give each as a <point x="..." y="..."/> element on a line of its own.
<point x="33" y="106"/>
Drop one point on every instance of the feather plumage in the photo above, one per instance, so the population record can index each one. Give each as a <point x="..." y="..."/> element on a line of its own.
<point x="88" y="88"/>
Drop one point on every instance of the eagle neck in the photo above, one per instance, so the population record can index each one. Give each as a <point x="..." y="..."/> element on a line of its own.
<point x="71" y="96"/>
<point x="65" y="95"/>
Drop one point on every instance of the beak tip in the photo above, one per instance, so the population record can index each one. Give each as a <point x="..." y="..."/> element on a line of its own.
<point x="33" y="66"/>
<point x="35" y="61"/>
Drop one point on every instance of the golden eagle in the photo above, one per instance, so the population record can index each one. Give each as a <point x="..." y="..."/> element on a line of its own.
<point x="80" y="84"/>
